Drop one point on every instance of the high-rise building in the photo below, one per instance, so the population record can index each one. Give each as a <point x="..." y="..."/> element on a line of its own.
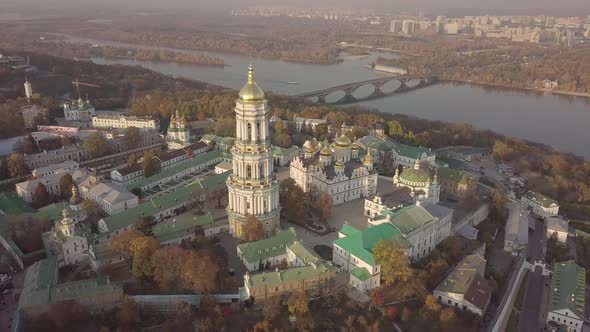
<point x="395" y="26"/>
<point x="408" y="27"/>
<point x="440" y="24"/>
<point x="28" y="89"/>
<point x="587" y="34"/>
<point x="252" y="188"/>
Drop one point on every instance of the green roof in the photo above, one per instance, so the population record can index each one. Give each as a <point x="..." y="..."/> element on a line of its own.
<point x="415" y="175"/>
<point x="361" y="244"/>
<point x="177" y="168"/>
<point x="361" y="273"/>
<point x="218" y="139"/>
<point x="409" y="218"/>
<point x="454" y="175"/>
<point x="11" y="204"/>
<point x="410" y="151"/>
<point x="80" y="289"/>
<point x="100" y="250"/>
<point x="540" y="199"/>
<point x="302" y="253"/>
<point x="568" y="288"/>
<point x="184" y="225"/>
<point x="279" y="151"/>
<point x="273" y="246"/>
<point x="164" y="202"/>
<point x="38" y="280"/>
<point x="288" y="275"/>
<point x="53" y="211"/>
<point x="348" y="230"/>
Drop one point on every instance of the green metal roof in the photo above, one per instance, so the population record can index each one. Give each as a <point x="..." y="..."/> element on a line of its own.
<point x="288" y="275"/>
<point x="411" y="151"/>
<point x="273" y="246"/>
<point x="180" y="195"/>
<point x="177" y="168"/>
<point x="348" y="230"/>
<point x="279" y="151"/>
<point x="13" y="205"/>
<point x="415" y="175"/>
<point x="184" y="225"/>
<point x="361" y="273"/>
<point x="541" y="199"/>
<point x="38" y="280"/>
<point x="361" y="244"/>
<point x="80" y="289"/>
<point x="568" y="288"/>
<point x="409" y="218"/>
<point x="302" y="253"/>
<point x="454" y="175"/>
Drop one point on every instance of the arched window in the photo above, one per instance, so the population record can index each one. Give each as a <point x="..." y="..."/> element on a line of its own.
<point x="249" y="132"/>
<point x="257" y="132"/>
<point x="261" y="174"/>
<point x="248" y="172"/>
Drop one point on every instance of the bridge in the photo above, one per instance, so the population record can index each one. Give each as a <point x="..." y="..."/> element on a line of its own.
<point x="377" y="83"/>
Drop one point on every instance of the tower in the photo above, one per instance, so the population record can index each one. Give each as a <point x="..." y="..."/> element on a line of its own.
<point x="252" y="188"/>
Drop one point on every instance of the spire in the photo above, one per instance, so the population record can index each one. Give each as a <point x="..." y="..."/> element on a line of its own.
<point x="417" y="162"/>
<point x="251" y="91"/>
<point x="251" y="73"/>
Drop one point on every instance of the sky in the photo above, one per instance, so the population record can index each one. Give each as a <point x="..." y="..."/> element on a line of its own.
<point x="556" y="7"/>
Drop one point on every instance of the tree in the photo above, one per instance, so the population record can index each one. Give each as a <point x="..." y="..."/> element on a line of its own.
<point x="502" y="151"/>
<point x="279" y="127"/>
<point x="447" y="315"/>
<point x="132" y="138"/>
<point x="167" y="265"/>
<point x="26" y="145"/>
<point x="297" y="303"/>
<point x="128" y="314"/>
<point x="40" y="195"/>
<point x="121" y="244"/>
<point x="66" y="183"/>
<point x="293" y="200"/>
<point x="252" y="230"/>
<point x="197" y="202"/>
<point x="144" y="225"/>
<point x="406" y="314"/>
<point x="150" y="164"/>
<point x="271" y="308"/>
<point x="377" y="298"/>
<point x="96" y="146"/>
<point x="323" y="204"/>
<point x="218" y="196"/>
<point x="91" y="209"/>
<point x="283" y="140"/>
<point x="141" y="250"/>
<point x="16" y="165"/>
<point x="66" y="313"/>
<point x="394" y="263"/>
<point x="431" y="306"/>
<point x="263" y="326"/>
<point x="199" y="272"/>
<point x="395" y="129"/>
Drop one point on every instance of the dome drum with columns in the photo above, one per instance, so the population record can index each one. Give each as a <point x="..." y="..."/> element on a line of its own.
<point x="422" y="184"/>
<point x="252" y="188"/>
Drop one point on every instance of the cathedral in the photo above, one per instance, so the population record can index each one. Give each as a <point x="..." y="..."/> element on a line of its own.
<point x="336" y="169"/>
<point x="423" y="186"/>
<point x="178" y="134"/>
<point x="253" y="188"/>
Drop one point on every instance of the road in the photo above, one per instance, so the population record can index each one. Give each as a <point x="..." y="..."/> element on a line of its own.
<point x="534" y="305"/>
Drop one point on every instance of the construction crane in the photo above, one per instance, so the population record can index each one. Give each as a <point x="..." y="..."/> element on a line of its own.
<point x="77" y="84"/>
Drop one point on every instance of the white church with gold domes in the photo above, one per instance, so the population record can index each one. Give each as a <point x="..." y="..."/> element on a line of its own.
<point x="178" y="133"/>
<point x="336" y="169"/>
<point x="253" y="188"/>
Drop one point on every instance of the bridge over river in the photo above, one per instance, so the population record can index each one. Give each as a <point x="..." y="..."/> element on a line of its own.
<point x="407" y="83"/>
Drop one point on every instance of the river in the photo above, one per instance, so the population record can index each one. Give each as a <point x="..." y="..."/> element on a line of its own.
<point x="560" y="121"/>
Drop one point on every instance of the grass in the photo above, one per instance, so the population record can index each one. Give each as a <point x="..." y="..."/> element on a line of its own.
<point x="487" y="229"/>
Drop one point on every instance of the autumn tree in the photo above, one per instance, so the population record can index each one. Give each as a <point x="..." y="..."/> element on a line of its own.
<point x="293" y="201"/>
<point x="271" y="307"/>
<point x="121" y="244"/>
<point x="199" y="272"/>
<point x="252" y="229"/>
<point x="16" y="165"/>
<point x="447" y="315"/>
<point x="298" y="303"/>
<point x="150" y="165"/>
<point x="262" y="326"/>
<point x="141" y="250"/>
<point x="167" y="265"/>
<point x="217" y="197"/>
<point x="92" y="209"/>
<point x="40" y="195"/>
<point x="323" y="204"/>
<point x="66" y="183"/>
<point x="395" y="265"/>
<point x="128" y="314"/>
<point x="502" y="151"/>
<point x="132" y="138"/>
<point x="96" y="145"/>
<point x="431" y="307"/>
<point x="395" y="129"/>
<point x="144" y="225"/>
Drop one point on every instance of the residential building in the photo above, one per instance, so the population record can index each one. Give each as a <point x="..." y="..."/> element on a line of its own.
<point x="128" y="173"/>
<point x="267" y="252"/>
<point x="253" y="187"/>
<point x="123" y="122"/>
<point x="557" y="226"/>
<point x="540" y="204"/>
<point x="423" y="226"/>
<point x="395" y="26"/>
<point x="184" y="226"/>
<point x="308" y="123"/>
<point x="516" y="235"/>
<point x="65" y="166"/>
<point x="456" y="183"/>
<point x="465" y="288"/>
<point x="46" y="158"/>
<point x="178" y="133"/>
<point x="353" y="253"/>
<point x="567" y="296"/>
<point x="111" y="198"/>
<point x="30" y="113"/>
<point x="423" y="186"/>
<point x="335" y="169"/>
<point x="26" y="189"/>
<point x="81" y="111"/>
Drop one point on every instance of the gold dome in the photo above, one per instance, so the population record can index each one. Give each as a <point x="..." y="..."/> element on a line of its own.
<point x="251" y="91"/>
<point x="368" y="157"/>
<point x="343" y="141"/>
<point x="339" y="163"/>
<point x="326" y="151"/>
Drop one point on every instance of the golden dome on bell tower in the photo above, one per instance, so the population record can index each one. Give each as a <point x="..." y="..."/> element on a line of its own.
<point x="251" y="91"/>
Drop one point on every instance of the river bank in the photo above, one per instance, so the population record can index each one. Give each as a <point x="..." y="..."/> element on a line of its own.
<point x="500" y="86"/>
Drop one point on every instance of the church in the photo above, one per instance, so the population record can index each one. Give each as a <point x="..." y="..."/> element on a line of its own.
<point x="253" y="188"/>
<point x="178" y="134"/>
<point x="336" y="169"/>
<point x="423" y="185"/>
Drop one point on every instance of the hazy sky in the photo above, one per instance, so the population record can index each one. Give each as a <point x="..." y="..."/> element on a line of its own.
<point x="558" y="7"/>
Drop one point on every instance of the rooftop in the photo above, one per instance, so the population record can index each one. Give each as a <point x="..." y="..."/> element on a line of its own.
<point x="10" y="204"/>
<point x="266" y="248"/>
<point x="184" y="225"/>
<point x="541" y="199"/>
<point x="454" y="175"/>
<point x="568" y="288"/>
<point x="288" y="275"/>
<point x="414" y="175"/>
<point x="87" y="288"/>
<point x="361" y="273"/>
